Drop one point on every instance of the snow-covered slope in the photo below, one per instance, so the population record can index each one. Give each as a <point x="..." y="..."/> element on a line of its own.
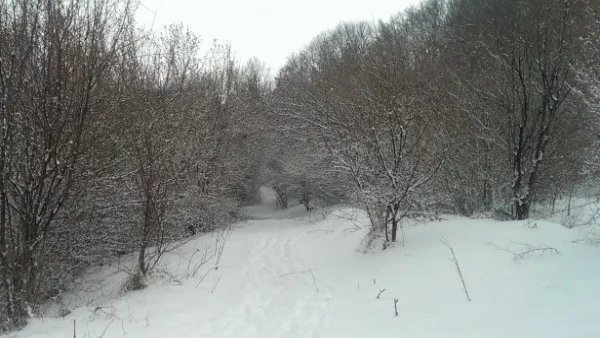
<point x="305" y="277"/>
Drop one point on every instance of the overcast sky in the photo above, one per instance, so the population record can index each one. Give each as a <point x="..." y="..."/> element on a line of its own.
<point x="268" y="29"/>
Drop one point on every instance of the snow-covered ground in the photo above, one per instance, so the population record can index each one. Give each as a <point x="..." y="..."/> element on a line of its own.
<point x="299" y="275"/>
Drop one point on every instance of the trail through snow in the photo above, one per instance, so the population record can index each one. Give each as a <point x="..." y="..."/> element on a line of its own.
<point x="295" y="275"/>
<point x="279" y="298"/>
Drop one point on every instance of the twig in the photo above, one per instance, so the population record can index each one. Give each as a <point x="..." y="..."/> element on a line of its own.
<point x="500" y="248"/>
<point x="106" y="328"/>
<point x="527" y="250"/>
<point x="292" y="273"/>
<point x="111" y="314"/>
<point x="203" y="260"/>
<point x="396" y="306"/>
<point x="380" y="292"/>
<point x="317" y="230"/>
<point x="190" y="261"/>
<point x="455" y="262"/>
<point x="314" y="281"/>
<point x="215" y="286"/>
<point x="220" y="242"/>
<point x="123" y="328"/>
<point x="214" y="268"/>
<point x="531" y="249"/>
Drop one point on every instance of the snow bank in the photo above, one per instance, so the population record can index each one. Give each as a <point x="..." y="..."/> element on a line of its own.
<point x="305" y="277"/>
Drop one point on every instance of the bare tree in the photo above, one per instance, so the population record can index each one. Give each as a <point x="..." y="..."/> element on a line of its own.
<point x="177" y="108"/>
<point x="366" y="117"/>
<point x="54" y="56"/>
<point x="159" y="111"/>
<point x="521" y="72"/>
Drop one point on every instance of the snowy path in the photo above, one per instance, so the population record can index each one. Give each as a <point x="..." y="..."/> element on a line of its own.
<point x="280" y="299"/>
<point x="265" y="287"/>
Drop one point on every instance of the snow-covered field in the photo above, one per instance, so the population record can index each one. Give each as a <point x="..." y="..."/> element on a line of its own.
<point x="290" y="274"/>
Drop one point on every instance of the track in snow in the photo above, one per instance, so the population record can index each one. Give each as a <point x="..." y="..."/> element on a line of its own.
<point x="280" y="298"/>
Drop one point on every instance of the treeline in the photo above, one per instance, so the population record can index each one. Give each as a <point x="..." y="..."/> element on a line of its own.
<point x="460" y="106"/>
<point x="113" y="140"/>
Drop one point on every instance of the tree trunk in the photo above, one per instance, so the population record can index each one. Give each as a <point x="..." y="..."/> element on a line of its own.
<point x="17" y="293"/>
<point x="387" y="217"/>
<point x="281" y="198"/>
<point x="142" y="259"/>
<point x="394" y="219"/>
<point x="487" y="190"/>
<point x="305" y="200"/>
<point x="522" y="210"/>
<point x="487" y="196"/>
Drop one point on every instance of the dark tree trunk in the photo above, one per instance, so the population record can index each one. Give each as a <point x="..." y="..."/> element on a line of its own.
<point x="387" y="217"/>
<point x="305" y="200"/>
<point x="17" y="310"/>
<point x="487" y="196"/>
<point x="21" y="283"/>
<point x="522" y="210"/>
<point x="394" y="219"/>
<point x="142" y="259"/>
<point x="281" y="197"/>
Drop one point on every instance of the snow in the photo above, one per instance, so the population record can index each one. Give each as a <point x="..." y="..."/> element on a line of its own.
<point x="306" y="276"/>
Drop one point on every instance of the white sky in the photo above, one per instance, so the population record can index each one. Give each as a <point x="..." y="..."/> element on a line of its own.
<point x="268" y="29"/>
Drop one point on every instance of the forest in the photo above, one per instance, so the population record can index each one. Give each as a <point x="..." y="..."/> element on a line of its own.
<point x="116" y="140"/>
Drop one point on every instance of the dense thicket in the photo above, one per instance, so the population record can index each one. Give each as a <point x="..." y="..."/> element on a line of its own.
<point x="112" y="140"/>
<point x="457" y="105"/>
